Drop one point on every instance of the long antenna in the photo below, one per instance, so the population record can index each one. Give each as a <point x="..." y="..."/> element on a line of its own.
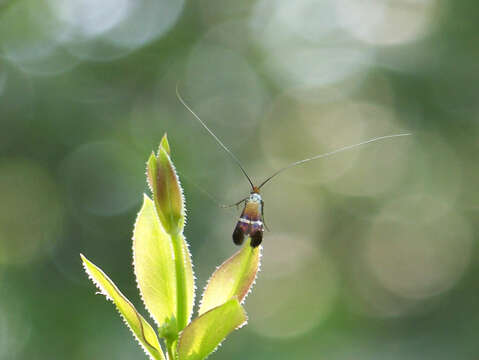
<point x="214" y="136"/>
<point x="329" y="154"/>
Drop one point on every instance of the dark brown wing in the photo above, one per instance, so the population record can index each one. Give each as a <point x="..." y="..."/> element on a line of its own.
<point x="238" y="234"/>
<point x="256" y="238"/>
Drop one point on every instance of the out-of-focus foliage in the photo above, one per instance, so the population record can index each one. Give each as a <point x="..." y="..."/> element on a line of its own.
<point x="372" y="254"/>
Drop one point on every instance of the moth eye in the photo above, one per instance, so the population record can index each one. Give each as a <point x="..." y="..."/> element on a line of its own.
<point x="238" y="235"/>
<point x="256" y="238"/>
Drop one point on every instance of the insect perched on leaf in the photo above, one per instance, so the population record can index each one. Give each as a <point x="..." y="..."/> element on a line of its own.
<point x="251" y="221"/>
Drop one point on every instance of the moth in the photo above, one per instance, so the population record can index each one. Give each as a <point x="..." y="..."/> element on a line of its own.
<point x="251" y="221"/>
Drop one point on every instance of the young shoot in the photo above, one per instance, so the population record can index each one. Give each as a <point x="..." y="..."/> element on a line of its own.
<point x="164" y="274"/>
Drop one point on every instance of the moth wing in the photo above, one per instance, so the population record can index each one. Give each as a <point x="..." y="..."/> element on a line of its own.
<point x="256" y="238"/>
<point x="239" y="233"/>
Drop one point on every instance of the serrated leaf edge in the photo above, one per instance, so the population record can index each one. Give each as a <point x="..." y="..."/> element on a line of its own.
<point x="150" y="186"/>
<point x="175" y="172"/>
<point x="104" y="293"/>
<point x="244" y="323"/>
<point x="188" y="253"/>
<point x="145" y="196"/>
<point x="236" y="328"/>
<point x="182" y="195"/>
<point x="216" y="270"/>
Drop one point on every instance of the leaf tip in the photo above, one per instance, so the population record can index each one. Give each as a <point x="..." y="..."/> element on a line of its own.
<point x="164" y="144"/>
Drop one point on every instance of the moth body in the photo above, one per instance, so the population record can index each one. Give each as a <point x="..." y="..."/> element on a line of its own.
<point x="250" y="222"/>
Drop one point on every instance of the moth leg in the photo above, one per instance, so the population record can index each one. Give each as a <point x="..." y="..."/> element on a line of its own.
<point x="262" y="215"/>
<point x="235" y="204"/>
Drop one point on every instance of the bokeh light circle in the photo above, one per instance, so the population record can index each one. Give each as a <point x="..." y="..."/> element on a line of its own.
<point x="104" y="178"/>
<point x="30" y="38"/>
<point x="314" y="130"/>
<point x="392" y="22"/>
<point x="108" y="30"/>
<point x="321" y="128"/>
<point x="89" y="18"/>
<point x="146" y="22"/>
<point x="302" y="54"/>
<point x="379" y="167"/>
<point x="437" y="168"/>
<point x="296" y="289"/>
<point x="31" y="32"/>
<point x="235" y="99"/>
<point x="422" y="258"/>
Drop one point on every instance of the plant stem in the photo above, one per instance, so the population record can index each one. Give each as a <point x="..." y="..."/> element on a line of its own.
<point x="170" y="349"/>
<point x="180" y="261"/>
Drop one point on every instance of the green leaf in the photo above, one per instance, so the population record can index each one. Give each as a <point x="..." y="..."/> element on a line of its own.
<point x="170" y="193"/>
<point x="154" y="265"/>
<point x="233" y="278"/>
<point x="166" y="188"/>
<point x="140" y="328"/>
<point x="151" y="171"/>
<point x="201" y="337"/>
<point x="165" y="145"/>
<point x="156" y="273"/>
<point x="169" y="203"/>
<point x="189" y="279"/>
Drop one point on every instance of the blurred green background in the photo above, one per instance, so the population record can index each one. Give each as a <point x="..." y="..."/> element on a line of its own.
<point x="372" y="253"/>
